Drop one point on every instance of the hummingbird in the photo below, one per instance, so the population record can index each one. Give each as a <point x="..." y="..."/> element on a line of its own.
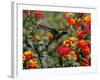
<point x="57" y="33"/>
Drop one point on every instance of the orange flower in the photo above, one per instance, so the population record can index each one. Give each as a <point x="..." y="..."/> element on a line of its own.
<point x="82" y="43"/>
<point x="36" y="37"/>
<point x="28" y="55"/>
<point x="50" y="35"/>
<point x="72" y="56"/>
<point x="69" y="41"/>
<point x="70" y="20"/>
<point x="32" y="63"/>
<point x="87" y="18"/>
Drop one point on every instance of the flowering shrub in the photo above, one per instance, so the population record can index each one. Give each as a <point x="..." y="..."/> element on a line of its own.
<point x="56" y="39"/>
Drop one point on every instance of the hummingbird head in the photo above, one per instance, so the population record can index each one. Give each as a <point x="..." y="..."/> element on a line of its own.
<point x="63" y="31"/>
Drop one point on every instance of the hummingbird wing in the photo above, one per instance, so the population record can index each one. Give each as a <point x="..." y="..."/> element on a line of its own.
<point x="45" y="24"/>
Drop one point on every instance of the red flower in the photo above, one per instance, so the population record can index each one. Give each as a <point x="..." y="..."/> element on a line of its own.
<point x="70" y="20"/>
<point x="63" y="50"/>
<point x="80" y="34"/>
<point x="86" y="50"/>
<point x="39" y="14"/>
<point x="87" y="30"/>
<point x="78" y="24"/>
<point x="85" y="46"/>
<point x="85" y="62"/>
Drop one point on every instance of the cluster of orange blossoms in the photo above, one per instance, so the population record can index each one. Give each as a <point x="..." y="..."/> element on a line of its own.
<point x="31" y="62"/>
<point x="70" y="41"/>
<point x="28" y="55"/>
<point x="85" y="46"/>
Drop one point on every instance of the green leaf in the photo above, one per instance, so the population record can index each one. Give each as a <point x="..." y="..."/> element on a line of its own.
<point x="70" y="61"/>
